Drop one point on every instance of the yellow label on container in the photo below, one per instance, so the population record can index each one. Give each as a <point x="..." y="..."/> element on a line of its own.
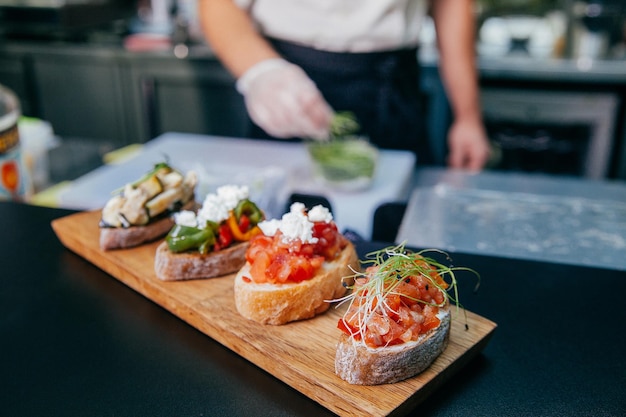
<point x="9" y="138"/>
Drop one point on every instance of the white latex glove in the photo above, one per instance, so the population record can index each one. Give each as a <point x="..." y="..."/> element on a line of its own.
<point x="284" y="101"/>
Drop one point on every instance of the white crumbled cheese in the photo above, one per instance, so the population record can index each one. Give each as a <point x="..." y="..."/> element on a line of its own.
<point x="297" y="207"/>
<point x="216" y="206"/>
<point x="297" y="224"/>
<point x="231" y="195"/>
<point x="213" y="209"/>
<point x="320" y="213"/>
<point x="269" y="227"/>
<point x="185" y="218"/>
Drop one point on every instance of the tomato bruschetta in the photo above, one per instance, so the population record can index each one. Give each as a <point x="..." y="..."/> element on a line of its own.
<point x="398" y="318"/>
<point x="294" y="267"/>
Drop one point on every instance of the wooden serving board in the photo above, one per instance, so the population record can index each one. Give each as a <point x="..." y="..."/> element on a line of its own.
<point x="301" y="354"/>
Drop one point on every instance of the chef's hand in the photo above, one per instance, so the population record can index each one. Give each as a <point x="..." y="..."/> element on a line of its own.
<point x="284" y="101"/>
<point x="468" y="145"/>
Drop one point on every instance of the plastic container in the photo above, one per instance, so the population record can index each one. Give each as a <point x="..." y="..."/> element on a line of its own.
<point x="15" y="183"/>
<point x="37" y="139"/>
<point x="347" y="164"/>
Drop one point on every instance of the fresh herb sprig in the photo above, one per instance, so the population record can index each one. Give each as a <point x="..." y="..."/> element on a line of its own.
<point x="343" y="124"/>
<point x="344" y="155"/>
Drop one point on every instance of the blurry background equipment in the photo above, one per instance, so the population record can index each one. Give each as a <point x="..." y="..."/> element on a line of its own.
<point x="558" y="132"/>
<point x="533" y="36"/>
<point x="60" y="18"/>
<point x="596" y="27"/>
<point x="551" y="28"/>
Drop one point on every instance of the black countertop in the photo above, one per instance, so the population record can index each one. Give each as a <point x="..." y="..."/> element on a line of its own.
<point x="75" y="341"/>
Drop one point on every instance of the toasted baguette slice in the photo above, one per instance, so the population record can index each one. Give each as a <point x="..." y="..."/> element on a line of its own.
<point x="170" y="266"/>
<point x="121" y="238"/>
<point x="128" y="237"/>
<point x="278" y="304"/>
<point x="360" y="365"/>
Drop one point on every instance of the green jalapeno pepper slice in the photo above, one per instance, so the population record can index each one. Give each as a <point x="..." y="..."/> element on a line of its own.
<point x="184" y="238"/>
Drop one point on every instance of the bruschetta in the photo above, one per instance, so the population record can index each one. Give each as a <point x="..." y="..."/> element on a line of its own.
<point x="398" y="318"/>
<point x="142" y="211"/>
<point x="211" y="242"/>
<point x="294" y="267"/>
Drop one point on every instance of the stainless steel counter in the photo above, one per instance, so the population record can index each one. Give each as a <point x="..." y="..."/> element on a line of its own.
<point x="546" y="218"/>
<point x="561" y="70"/>
<point x="530" y="69"/>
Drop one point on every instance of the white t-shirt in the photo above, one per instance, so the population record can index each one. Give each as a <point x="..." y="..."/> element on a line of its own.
<point x="340" y="25"/>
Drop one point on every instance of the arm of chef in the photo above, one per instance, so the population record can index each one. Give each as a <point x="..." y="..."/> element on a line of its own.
<point x="455" y="26"/>
<point x="279" y="96"/>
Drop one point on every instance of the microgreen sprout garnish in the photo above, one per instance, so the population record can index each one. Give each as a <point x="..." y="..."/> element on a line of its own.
<point x="383" y="282"/>
<point x="346" y="155"/>
<point x="343" y="124"/>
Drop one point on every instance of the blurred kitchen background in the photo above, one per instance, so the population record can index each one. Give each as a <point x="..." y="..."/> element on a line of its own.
<point x="105" y="75"/>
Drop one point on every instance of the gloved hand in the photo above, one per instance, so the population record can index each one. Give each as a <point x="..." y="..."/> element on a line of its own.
<point x="284" y="101"/>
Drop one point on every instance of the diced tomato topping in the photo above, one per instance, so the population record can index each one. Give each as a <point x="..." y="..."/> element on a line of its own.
<point x="347" y="328"/>
<point x="430" y="317"/>
<point x="258" y="244"/>
<point x="276" y="261"/>
<point x="330" y="241"/>
<point x="259" y="265"/>
<point x="405" y="313"/>
<point x="396" y="330"/>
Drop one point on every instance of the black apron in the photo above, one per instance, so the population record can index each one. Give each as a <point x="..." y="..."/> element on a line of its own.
<point x="380" y="88"/>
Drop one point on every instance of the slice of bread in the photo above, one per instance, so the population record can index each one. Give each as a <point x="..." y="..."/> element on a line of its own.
<point x="278" y="304"/>
<point x="362" y="365"/>
<point x="128" y="237"/>
<point x="170" y="266"/>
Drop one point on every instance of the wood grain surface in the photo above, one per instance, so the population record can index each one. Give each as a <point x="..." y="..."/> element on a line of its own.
<point x="300" y="354"/>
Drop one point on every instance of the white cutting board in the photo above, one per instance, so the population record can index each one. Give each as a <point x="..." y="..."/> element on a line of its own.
<point x="272" y="169"/>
